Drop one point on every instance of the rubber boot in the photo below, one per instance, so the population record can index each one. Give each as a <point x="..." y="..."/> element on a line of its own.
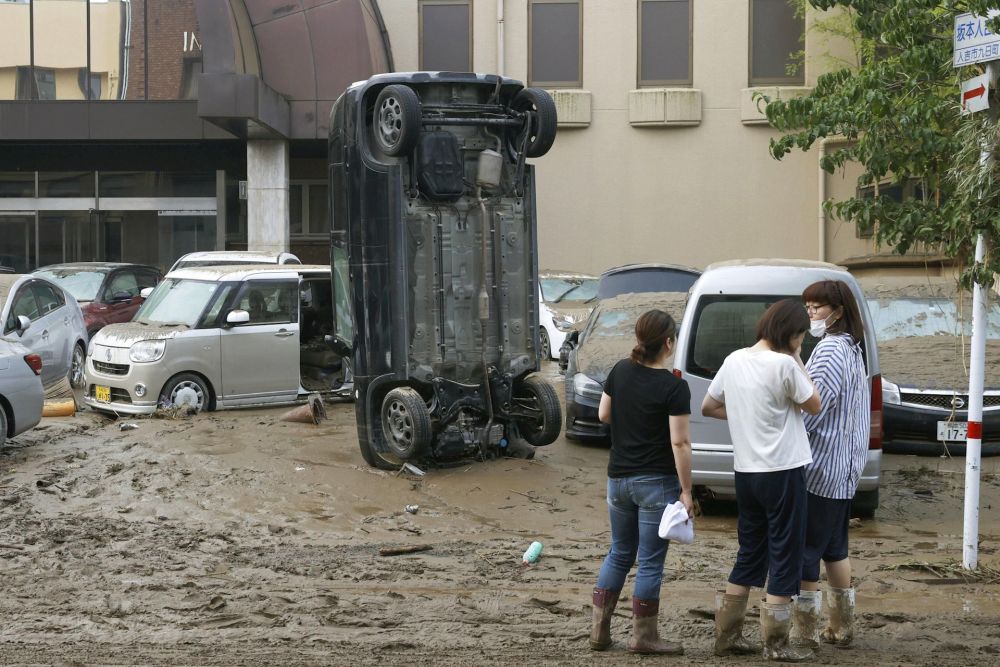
<point x="605" y="601"/>
<point x="730" y="612"/>
<point x="806" y="609"/>
<point x="840" y="607"/>
<point x="645" y="637"/>
<point x="775" y="625"/>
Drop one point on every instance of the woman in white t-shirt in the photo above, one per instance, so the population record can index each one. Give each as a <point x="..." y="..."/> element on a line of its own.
<point x="762" y="391"/>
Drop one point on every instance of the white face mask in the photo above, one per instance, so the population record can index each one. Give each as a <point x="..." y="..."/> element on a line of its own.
<point x="818" y="327"/>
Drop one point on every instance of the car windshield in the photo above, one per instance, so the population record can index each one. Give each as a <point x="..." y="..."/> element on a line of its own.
<point x="83" y="284"/>
<point x="928" y="316"/>
<point x="177" y="301"/>
<point x="568" y="289"/>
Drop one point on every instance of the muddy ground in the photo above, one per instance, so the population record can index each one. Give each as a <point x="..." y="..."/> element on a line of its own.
<point x="233" y="538"/>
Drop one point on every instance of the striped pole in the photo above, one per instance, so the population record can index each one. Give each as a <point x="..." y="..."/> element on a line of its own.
<point x="974" y="442"/>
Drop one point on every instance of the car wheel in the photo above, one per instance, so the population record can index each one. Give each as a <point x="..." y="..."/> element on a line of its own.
<point x="396" y="120"/>
<point x="3" y="427"/>
<point x="544" y="346"/>
<point x="543" y="120"/>
<point x="186" y="389"/>
<point x="77" y="365"/>
<point x="406" y="423"/>
<point x="864" y="504"/>
<point x="535" y="398"/>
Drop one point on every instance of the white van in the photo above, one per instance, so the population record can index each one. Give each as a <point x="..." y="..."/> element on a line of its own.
<point x="722" y="311"/>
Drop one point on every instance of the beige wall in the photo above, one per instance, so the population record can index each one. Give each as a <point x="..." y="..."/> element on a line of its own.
<point x="611" y="193"/>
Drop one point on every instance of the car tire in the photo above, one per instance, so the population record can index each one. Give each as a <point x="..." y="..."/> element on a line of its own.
<point x="406" y="423"/>
<point x="542" y="128"/>
<point x="4" y="426"/>
<point x="864" y="504"/>
<point x="178" y="386"/>
<point x="77" y="364"/>
<point x="537" y="395"/>
<point x="396" y="120"/>
<point x="544" y="346"/>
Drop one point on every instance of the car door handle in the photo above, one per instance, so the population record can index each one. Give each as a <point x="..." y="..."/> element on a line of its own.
<point x="284" y="334"/>
<point x="45" y="334"/>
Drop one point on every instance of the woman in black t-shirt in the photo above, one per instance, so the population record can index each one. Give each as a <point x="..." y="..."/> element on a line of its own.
<point x="648" y="409"/>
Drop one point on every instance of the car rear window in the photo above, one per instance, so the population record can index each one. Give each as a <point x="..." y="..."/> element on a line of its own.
<point x="651" y="279"/>
<point x="725" y="323"/>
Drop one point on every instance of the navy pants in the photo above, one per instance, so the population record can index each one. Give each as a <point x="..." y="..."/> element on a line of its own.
<point x="771" y="529"/>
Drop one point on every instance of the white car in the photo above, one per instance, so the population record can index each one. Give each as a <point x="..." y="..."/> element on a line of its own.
<point x="48" y="321"/>
<point x="220" y="257"/>
<point x="564" y="299"/>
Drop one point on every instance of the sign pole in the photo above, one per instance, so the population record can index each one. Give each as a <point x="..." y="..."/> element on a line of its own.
<point x="977" y="363"/>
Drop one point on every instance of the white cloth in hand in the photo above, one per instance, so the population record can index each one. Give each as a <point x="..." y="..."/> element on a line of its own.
<point x="676" y="525"/>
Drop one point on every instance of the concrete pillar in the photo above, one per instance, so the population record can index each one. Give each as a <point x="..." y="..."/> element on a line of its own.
<point x="267" y="195"/>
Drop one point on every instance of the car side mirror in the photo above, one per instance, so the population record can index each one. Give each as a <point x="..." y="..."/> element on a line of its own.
<point x="146" y="291"/>
<point x="573" y="337"/>
<point x="237" y="317"/>
<point x="23" y="324"/>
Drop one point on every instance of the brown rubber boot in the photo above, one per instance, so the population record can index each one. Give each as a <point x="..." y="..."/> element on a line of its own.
<point x="806" y="609"/>
<point x="730" y="611"/>
<point x="840" y="607"/>
<point x="604" y="605"/>
<point x="645" y="637"/>
<point x="775" y="624"/>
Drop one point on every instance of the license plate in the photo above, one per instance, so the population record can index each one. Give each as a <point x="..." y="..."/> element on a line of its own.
<point x="952" y="431"/>
<point x="102" y="393"/>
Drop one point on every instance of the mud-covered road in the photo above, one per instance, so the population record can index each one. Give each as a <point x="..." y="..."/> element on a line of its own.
<point x="234" y="538"/>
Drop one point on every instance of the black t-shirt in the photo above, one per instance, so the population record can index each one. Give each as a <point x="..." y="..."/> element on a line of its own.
<point x="642" y="400"/>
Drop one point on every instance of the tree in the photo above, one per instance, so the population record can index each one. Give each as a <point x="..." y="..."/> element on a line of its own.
<point x="899" y="109"/>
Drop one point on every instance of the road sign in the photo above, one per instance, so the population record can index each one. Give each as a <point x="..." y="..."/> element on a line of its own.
<point x="973" y="41"/>
<point x="976" y="94"/>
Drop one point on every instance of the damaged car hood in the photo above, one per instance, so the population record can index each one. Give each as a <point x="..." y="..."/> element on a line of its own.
<point x="125" y="334"/>
<point x="612" y="334"/>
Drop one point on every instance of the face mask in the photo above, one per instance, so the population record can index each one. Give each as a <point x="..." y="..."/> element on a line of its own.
<point x="818" y="327"/>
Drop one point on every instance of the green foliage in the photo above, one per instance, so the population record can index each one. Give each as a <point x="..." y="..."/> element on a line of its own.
<point x="898" y="107"/>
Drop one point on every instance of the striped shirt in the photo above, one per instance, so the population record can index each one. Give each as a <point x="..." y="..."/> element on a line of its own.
<point x="838" y="435"/>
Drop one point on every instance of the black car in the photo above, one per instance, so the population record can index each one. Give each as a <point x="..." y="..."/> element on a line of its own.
<point x="608" y="337"/>
<point x="923" y="330"/>
<point x="634" y="279"/>
<point x="434" y="255"/>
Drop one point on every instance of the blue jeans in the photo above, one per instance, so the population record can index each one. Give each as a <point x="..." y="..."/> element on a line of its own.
<point x="635" y="505"/>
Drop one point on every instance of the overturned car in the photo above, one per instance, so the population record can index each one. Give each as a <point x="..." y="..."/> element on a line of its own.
<point x="434" y="264"/>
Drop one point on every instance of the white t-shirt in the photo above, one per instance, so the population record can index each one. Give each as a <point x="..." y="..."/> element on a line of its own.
<point x="761" y="390"/>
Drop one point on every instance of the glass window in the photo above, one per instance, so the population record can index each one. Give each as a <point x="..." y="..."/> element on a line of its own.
<point x="445" y="35"/>
<point x="777" y="32"/>
<point x="343" y="319"/>
<point x="82" y="284"/>
<point x="177" y="302"/>
<point x="147" y="279"/>
<point x="15" y="51"/>
<point x="270" y="302"/>
<point x="17" y="183"/>
<point x="211" y="318"/>
<point x="24" y="304"/>
<point x="60" y="49"/>
<point x="117" y="50"/>
<point x="48" y="299"/>
<point x="554" y="44"/>
<point x="17" y="243"/>
<point x="66" y="236"/>
<point x="123" y="285"/>
<point x="664" y="42"/>
<point x="319" y="218"/>
<point x="174" y="49"/>
<point x="66" y="184"/>
<point x="295" y="209"/>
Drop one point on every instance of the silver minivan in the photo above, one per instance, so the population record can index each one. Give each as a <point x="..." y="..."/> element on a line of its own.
<point x="220" y="337"/>
<point x="722" y="311"/>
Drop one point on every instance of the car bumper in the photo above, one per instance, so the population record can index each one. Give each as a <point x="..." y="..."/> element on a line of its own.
<point x="914" y="431"/>
<point x="26" y="404"/>
<point x="712" y="469"/>
<point x="582" y="422"/>
<point x="122" y="382"/>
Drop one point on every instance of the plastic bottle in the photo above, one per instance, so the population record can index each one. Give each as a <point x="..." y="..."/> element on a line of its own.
<point x="533" y="552"/>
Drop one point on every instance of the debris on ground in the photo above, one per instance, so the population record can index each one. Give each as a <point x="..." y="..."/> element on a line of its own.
<point x="399" y="551"/>
<point x="128" y="426"/>
<point x="412" y="469"/>
<point x="313" y="412"/>
<point x="947" y="572"/>
<point x="412" y="509"/>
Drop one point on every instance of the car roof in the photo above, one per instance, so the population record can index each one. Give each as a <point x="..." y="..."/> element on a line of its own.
<point x="233" y="254"/>
<point x="94" y="266"/>
<point x="566" y="274"/>
<point x="761" y="276"/>
<point x="237" y="272"/>
<point x="649" y="266"/>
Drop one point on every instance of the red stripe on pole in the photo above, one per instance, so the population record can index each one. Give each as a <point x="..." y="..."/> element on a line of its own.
<point x="976" y="430"/>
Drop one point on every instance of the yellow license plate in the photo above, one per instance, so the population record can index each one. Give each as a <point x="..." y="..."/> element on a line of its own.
<point x="102" y="393"/>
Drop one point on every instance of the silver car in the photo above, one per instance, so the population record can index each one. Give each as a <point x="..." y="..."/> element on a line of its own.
<point x="721" y="316"/>
<point x="20" y="389"/>
<point x="223" y="257"/>
<point x="47" y="320"/>
<point x="220" y="337"/>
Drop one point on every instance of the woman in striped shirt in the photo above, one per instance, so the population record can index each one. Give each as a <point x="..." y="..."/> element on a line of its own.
<point x="838" y="437"/>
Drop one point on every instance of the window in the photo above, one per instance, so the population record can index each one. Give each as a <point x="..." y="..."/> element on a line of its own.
<point x="446" y="35"/>
<point x="554" y="44"/>
<point x="48" y="299"/>
<point x="269" y="302"/>
<point x="776" y="38"/>
<point x="307" y="209"/>
<point x="897" y="192"/>
<point x="123" y="285"/>
<point x="664" y="42"/>
<point x="24" y="304"/>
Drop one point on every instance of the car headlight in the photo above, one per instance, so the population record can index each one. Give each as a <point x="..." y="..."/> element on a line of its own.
<point x="562" y="322"/>
<point x="146" y="351"/>
<point x="587" y="388"/>
<point x="890" y="393"/>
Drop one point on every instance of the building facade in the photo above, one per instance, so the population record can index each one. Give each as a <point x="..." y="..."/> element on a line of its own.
<point x="138" y="130"/>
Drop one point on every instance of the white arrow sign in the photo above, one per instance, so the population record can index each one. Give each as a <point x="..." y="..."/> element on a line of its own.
<point x="976" y="94"/>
